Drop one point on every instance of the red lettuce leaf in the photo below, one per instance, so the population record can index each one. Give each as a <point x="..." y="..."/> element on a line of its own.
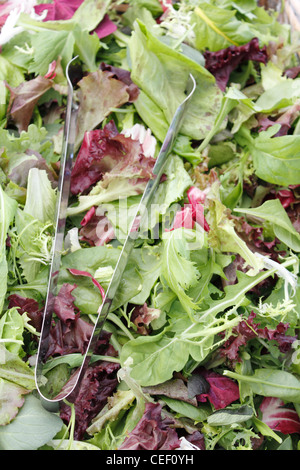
<point x="223" y="62"/>
<point x="68" y="339"/>
<point x="99" y="383"/>
<point x="106" y="154"/>
<point x="183" y="218"/>
<point x="64" y="304"/>
<point x="197" y="439"/>
<point x="293" y="212"/>
<point x="125" y="77"/>
<point x="141" y="316"/>
<point x="222" y="390"/>
<point x="279" y="417"/>
<point x="292" y="72"/>
<point x="93" y="109"/>
<point x="96" y="229"/>
<point x="247" y="330"/>
<point x="29" y="306"/>
<point x="196" y="199"/>
<point x="105" y="28"/>
<point x="65" y="9"/>
<point x="88" y="216"/>
<point x="59" y="9"/>
<point x="77" y="272"/>
<point x="152" y="432"/>
<point x="165" y="4"/>
<point x="193" y="212"/>
<point x="95" y="157"/>
<point x="69" y="333"/>
<point x="24" y="98"/>
<point x="285" y="120"/>
<point x="19" y="173"/>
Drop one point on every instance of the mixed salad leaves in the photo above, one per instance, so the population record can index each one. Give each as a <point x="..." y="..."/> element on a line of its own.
<point x="201" y="348"/>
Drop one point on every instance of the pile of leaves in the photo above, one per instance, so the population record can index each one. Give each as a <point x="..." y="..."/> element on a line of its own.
<point x="200" y="349"/>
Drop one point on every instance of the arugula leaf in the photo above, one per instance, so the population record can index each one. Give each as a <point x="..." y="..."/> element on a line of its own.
<point x="195" y="413"/>
<point x="155" y="358"/>
<point x="230" y="416"/>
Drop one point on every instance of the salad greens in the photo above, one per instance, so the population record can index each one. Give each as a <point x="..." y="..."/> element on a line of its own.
<point x="201" y="348"/>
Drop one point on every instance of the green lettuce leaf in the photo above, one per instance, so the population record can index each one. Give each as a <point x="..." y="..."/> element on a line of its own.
<point x="13" y="76"/>
<point x="8" y="207"/>
<point x="178" y="270"/>
<point x="41" y="197"/>
<point x="271" y="383"/>
<point x="11" y="330"/>
<point x="11" y="399"/>
<point x="33" y="244"/>
<point x="141" y="273"/>
<point x="14" y="369"/>
<point x="223" y="237"/>
<point x="155" y="358"/>
<point x="219" y="25"/>
<point x="63" y="38"/>
<point x="162" y="74"/>
<point x="118" y="188"/>
<point x="218" y="28"/>
<point x="32" y="428"/>
<point x="275" y="215"/>
<point x="276" y="160"/>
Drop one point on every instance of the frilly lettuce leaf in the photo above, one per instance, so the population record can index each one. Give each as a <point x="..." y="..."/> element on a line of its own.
<point x="8" y="207"/>
<point x="41" y="197"/>
<point x="223" y="237"/>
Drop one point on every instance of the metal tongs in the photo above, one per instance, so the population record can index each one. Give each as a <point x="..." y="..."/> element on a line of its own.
<point x="70" y="391"/>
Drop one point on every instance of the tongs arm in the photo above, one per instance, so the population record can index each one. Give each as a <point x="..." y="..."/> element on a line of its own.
<point x="71" y="390"/>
